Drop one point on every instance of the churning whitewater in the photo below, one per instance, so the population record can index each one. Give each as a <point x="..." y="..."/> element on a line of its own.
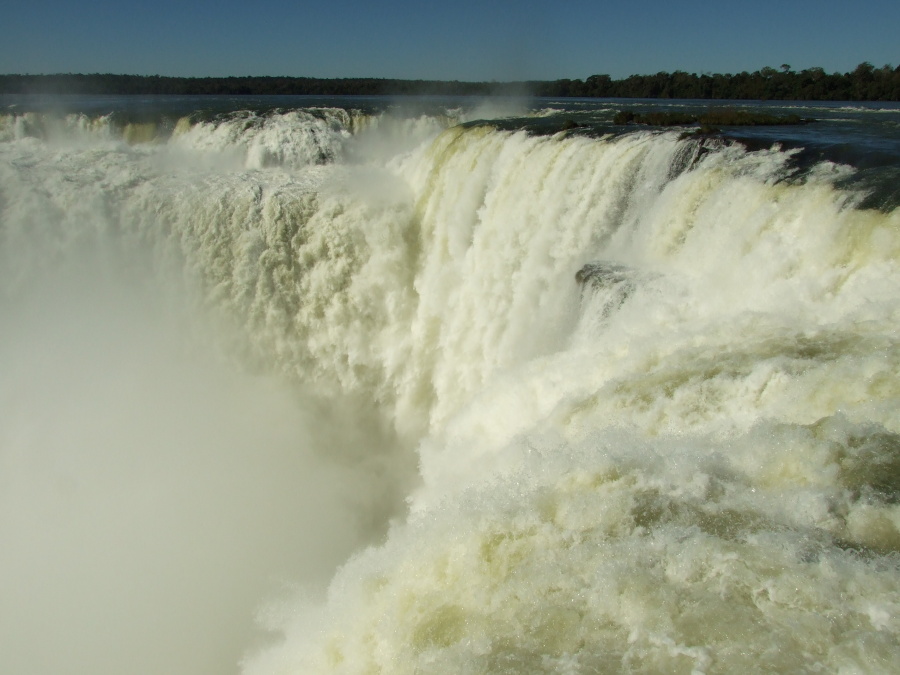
<point x="325" y="390"/>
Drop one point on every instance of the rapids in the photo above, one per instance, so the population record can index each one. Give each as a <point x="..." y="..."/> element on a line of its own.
<point x="433" y="392"/>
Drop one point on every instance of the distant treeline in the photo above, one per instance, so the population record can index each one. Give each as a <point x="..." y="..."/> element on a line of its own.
<point x="233" y="86"/>
<point x="864" y="83"/>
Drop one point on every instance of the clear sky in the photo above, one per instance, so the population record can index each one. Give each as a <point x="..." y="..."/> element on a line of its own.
<point x="462" y="40"/>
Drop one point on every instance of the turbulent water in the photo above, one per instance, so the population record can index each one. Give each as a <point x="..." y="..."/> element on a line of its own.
<point x="358" y="386"/>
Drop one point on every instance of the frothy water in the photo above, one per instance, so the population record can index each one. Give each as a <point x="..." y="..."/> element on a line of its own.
<point x="422" y="396"/>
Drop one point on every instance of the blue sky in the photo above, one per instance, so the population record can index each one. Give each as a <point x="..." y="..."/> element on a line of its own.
<point x="462" y="40"/>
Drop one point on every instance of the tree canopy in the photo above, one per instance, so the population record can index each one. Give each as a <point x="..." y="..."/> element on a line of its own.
<point x="864" y="83"/>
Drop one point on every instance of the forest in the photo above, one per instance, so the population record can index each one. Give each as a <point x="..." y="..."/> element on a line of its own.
<point x="864" y="83"/>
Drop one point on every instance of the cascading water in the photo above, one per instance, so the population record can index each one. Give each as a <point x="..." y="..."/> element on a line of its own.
<point x="638" y="392"/>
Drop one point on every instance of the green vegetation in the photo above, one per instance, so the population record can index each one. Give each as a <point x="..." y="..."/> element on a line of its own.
<point x="237" y="86"/>
<point x="864" y="83"/>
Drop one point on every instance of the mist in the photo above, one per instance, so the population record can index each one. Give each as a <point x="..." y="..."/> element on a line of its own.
<point x="154" y="494"/>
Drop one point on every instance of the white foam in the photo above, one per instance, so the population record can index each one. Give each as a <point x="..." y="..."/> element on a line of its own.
<point x="689" y="464"/>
